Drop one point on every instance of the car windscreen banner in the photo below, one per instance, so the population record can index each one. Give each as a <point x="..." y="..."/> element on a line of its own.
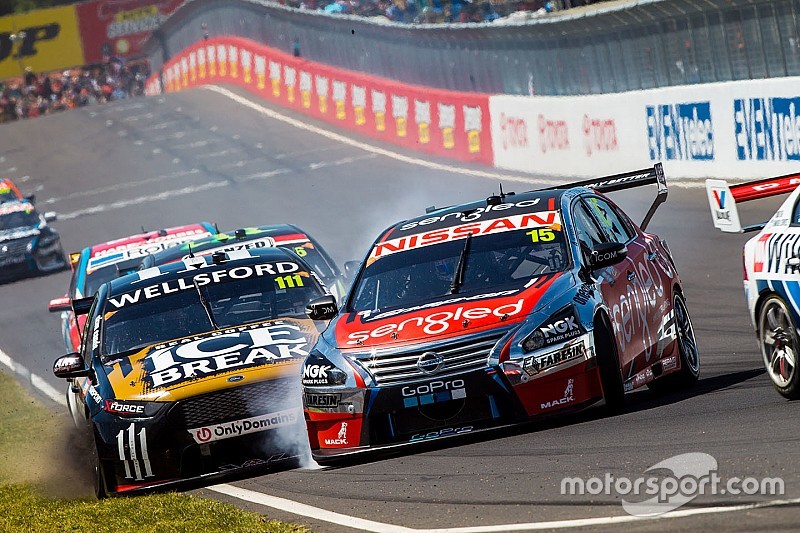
<point x="117" y="28"/>
<point x="40" y="40"/>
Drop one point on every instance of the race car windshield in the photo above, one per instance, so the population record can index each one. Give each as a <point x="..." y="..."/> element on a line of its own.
<point x="18" y="219"/>
<point x="95" y="278"/>
<point x="181" y="314"/>
<point x="6" y="194"/>
<point x="498" y="261"/>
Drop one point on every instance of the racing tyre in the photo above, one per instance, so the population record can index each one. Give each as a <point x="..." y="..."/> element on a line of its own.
<point x="100" y="476"/>
<point x="608" y="364"/>
<point x="777" y="336"/>
<point x="687" y="350"/>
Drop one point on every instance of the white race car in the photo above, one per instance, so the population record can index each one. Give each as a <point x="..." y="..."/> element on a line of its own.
<point x="771" y="270"/>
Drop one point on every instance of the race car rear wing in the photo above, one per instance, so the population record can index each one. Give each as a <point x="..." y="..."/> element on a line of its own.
<point x="628" y="180"/>
<point x="723" y="198"/>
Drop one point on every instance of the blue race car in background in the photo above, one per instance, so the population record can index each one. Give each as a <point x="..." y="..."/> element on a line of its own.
<point x="28" y="245"/>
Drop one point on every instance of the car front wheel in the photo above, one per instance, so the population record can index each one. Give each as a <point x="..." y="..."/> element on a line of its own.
<point x="777" y="336"/>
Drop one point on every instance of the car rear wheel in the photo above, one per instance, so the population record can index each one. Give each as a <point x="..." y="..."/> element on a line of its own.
<point x="608" y="364"/>
<point x="777" y="336"/>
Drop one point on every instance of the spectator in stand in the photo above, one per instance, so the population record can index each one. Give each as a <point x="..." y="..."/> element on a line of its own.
<point x="32" y="96"/>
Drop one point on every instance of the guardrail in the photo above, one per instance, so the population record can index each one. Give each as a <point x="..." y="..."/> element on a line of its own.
<point x="630" y="46"/>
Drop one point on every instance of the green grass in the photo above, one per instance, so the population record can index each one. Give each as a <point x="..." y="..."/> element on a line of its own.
<point x="34" y="479"/>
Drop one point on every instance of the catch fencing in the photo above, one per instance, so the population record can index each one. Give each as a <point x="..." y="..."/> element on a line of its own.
<point x="605" y="48"/>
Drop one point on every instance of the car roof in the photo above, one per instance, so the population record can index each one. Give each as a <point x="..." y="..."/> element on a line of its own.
<point x="192" y="266"/>
<point x="15" y="206"/>
<point x="138" y="239"/>
<point x="509" y="204"/>
<point x="273" y="231"/>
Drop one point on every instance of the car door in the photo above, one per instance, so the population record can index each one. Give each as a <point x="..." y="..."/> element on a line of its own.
<point x="617" y="286"/>
<point x="644" y="276"/>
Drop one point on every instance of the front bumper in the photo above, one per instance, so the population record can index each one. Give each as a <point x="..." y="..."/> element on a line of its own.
<point x="381" y="418"/>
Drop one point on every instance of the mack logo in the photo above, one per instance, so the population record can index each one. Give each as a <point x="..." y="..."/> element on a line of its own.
<point x="32" y="35"/>
<point x="430" y="362"/>
<point x="565" y="399"/>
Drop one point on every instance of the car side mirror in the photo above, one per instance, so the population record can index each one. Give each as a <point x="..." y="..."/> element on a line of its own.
<point x="70" y="366"/>
<point x="31" y="198"/>
<point x="351" y="269"/>
<point x="50" y="216"/>
<point x="57" y="305"/>
<point x="323" y="308"/>
<point x="607" y="254"/>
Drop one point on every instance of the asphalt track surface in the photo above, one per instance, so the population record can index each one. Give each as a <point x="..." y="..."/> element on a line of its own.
<point x="199" y="155"/>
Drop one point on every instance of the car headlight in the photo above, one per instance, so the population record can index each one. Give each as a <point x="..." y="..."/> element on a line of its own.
<point x="318" y="371"/>
<point x="562" y="326"/>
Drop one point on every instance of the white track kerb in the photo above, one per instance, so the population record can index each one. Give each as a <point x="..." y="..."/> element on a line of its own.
<point x="35" y="381"/>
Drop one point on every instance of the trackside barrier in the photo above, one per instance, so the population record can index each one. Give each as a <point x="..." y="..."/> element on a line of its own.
<point x="438" y="122"/>
<point x="744" y="129"/>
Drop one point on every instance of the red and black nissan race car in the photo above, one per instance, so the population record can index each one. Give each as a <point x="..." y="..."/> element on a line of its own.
<point x="496" y="312"/>
<point x="191" y="370"/>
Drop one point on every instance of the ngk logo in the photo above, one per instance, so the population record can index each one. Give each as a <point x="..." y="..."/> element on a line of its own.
<point x="561" y="326"/>
<point x="316" y="371"/>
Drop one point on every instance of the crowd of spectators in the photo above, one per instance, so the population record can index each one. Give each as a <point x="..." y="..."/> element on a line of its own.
<point x="35" y="95"/>
<point x="439" y="11"/>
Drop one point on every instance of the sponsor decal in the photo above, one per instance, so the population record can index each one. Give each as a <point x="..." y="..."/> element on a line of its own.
<point x="669" y="363"/>
<point x="584" y="293"/>
<point x="599" y="135"/>
<point x="322" y="85"/>
<point x="422" y="116"/>
<point x="767" y="129"/>
<point x="550" y="219"/>
<point x="400" y="115"/>
<point x="773" y="251"/>
<point x="470" y="216"/>
<point x="322" y="401"/>
<point x="537" y="363"/>
<point x="339" y="99"/>
<point x="433" y="392"/>
<point x="341" y="437"/>
<point x="201" y="279"/>
<point x="172" y="363"/>
<point x="438" y="322"/>
<point x="235" y="379"/>
<point x="15" y="207"/>
<point x="316" y="374"/>
<point x="473" y="124"/>
<point x="368" y="315"/>
<point x="680" y="132"/>
<point x="96" y="332"/>
<point x="447" y="124"/>
<point x="246" y="426"/>
<point x="446" y="432"/>
<point x="134" y="454"/>
<point x="177" y="237"/>
<point x="379" y="109"/>
<point x="721" y="213"/>
<point x="95" y="395"/>
<point x="359" y="100"/>
<point x="18" y="234"/>
<point x="68" y="364"/>
<point x="513" y="132"/>
<point x="553" y="134"/>
<point x="255" y="244"/>
<point x="123" y="408"/>
<point x="567" y="397"/>
<point x="275" y="78"/>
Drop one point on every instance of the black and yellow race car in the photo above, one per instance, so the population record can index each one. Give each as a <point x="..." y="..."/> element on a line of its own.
<point x="191" y="370"/>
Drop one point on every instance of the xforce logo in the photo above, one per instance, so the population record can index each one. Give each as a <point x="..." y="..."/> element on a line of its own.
<point x="27" y="46"/>
<point x="437" y="323"/>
